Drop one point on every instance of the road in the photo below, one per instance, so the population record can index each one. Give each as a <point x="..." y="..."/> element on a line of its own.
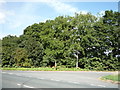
<point x="54" y="79"/>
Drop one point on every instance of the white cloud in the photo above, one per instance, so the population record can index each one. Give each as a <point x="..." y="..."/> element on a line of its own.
<point x="17" y="21"/>
<point x="2" y="17"/>
<point x="2" y="1"/>
<point x="23" y="21"/>
<point x="63" y="0"/>
<point x="61" y="7"/>
<point x="2" y="14"/>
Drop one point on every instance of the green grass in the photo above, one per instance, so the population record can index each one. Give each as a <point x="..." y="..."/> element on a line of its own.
<point x="46" y="69"/>
<point x="112" y="77"/>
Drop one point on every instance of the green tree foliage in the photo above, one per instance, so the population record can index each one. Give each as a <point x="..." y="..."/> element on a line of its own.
<point x="34" y="50"/>
<point x="9" y="44"/>
<point x="21" y="58"/>
<point x="84" y="41"/>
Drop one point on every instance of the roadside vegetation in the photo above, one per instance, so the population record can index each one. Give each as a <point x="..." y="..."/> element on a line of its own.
<point x="81" y="41"/>
<point x="46" y="69"/>
<point x="115" y="78"/>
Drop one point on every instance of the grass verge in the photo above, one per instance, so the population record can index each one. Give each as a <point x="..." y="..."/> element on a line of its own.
<point x="115" y="78"/>
<point x="46" y="69"/>
<point x="49" y="69"/>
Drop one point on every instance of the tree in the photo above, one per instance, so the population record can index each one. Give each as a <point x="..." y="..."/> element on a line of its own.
<point x="34" y="50"/>
<point x="21" y="58"/>
<point x="111" y="22"/>
<point x="83" y="40"/>
<point x="9" y="43"/>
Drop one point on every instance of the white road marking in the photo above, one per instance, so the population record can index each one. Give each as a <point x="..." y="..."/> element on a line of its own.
<point x="101" y="85"/>
<point x="98" y="85"/>
<point x="52" y="79"/>
<point x="18" y="84"/>
<point x="73" y="82"/>
<point x="10" y="73"/>
<point x="17" y="74"/>
<point x="3" y="72"/>
<point x="63" y="81"/>
<point x="76" y="82"/>
<point x="57" y="80"/>
<point x="70" y="82"/>
<point x="28" y="86"/>
<point x="92" y="84"/>
<point x="41" y="78"/>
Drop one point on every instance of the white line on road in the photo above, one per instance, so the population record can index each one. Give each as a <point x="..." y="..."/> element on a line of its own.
<point x="28" y="86"/>
<point x="52" y="79"/>
<point x="92" y="84"/>
<point x="18" y="84"/>
<point x="73" y="82"/>
<point x="18" y="75"/>
<point x="101" y="85"/>
<point x="98" y="85"/>
<point x="55" y="80"/>
<point x="10" y="73"/>
<point x="3" y="72"/>
<point x="69" y="81"/>
<point x="76" y="82"/>
<point x="41" y="78"/>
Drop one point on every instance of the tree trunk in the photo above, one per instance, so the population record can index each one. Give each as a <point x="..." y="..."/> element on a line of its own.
<point x="55" y="65"/>
<point x="77" y="61"/>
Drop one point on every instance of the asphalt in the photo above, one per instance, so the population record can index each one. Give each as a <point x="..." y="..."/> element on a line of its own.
<point x="54" y="79"/>
<point x="0" y="79"/>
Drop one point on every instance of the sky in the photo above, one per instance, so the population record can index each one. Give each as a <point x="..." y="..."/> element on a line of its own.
<point x="16" y="16"/>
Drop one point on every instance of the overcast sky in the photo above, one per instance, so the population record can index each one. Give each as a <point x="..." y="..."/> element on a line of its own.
<point x="16" y="16"/>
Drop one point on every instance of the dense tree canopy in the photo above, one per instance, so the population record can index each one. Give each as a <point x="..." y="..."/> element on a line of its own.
<point x="83" y="41"/>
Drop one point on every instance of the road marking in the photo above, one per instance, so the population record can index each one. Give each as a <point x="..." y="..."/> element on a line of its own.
<point x="10" y="73"/>
<point x="3" y="72"/>
<point x="17" y="74"/>
<point x="70" y="82"/>
<point x="73" y="82"/>
<point x="28" y="86"/>
<point x="57" y="80"/>
<point x="92" y="84"/>
<point x="101" y="85"/>
<point x="98" y="85"/>
<point x="41" y="78"/>
<point x="76" y="82"/>
<point x="52" y="79"/>
<point x="18" y="84"/>
<point x="25" y="86"/>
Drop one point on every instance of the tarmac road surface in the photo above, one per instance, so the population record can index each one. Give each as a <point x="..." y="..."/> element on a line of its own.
<point x="55" y="79"/>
